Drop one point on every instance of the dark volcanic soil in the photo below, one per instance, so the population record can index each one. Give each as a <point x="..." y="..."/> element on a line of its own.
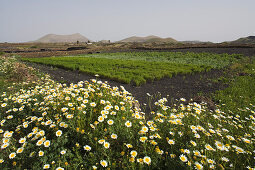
<point x="186" y="86"/>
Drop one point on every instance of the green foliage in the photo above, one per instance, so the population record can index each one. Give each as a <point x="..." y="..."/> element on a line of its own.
<point x="140" y="67"/>
<point x="241" y="91"/>
<point x="205" y="59"/>
<point x="126" y="71"/>
<point x="2" y="83"/>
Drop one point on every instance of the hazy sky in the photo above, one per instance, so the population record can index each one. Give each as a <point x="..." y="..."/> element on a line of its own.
<point x="205" y="20"/>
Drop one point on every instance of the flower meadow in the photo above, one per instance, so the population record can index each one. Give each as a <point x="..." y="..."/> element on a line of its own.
<point x="91" y="125"/>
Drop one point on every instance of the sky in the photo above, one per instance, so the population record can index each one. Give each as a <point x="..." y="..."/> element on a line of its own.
<point x="204" y="20"/>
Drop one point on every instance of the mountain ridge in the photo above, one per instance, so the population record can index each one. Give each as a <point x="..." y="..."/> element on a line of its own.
<point x="150" y="38"/>
<point x="245" y="40"/>
<point x="55" y="38"/>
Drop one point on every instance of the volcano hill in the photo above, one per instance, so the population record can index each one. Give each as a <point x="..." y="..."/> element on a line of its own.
<point x="54" y="38"/>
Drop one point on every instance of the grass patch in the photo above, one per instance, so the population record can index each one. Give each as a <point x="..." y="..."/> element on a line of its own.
<point x="241" y="91"/>
<point x="2" y="83"/>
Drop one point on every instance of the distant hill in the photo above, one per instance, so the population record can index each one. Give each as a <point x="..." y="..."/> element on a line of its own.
<point x="195" y="42"/>
<point x="151" y="38"/>
<point x="245" y="40"/>
<point x="192" y="42"/>
<point x="104" y="41"/>
<point x="53" y="38"/>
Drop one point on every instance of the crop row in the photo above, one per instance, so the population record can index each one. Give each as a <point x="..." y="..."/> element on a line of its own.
<point x="126" y="71"/>
<point x="206" y="59"/>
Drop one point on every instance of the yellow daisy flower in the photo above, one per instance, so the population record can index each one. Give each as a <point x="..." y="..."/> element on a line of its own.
<point x="143" y="139"/>
<point x="110" y="122"/>
<point x="106" y="145"/>
<point x="42" y="132"/>
<point x="198" y="166"/>
<point x="133" y="153"/>
<point x="58" y="133"/>
<point x="100" y="118"/>
<point x="209" y="148"/>
<point x="6" y="140"/>
<point x="101" y="141"/>
<point x="39" y="143"/>
<point x="93" y="104"/>
<point x="5" y="145"/>
<point x="171" y="142"/>
<point x="104" y="163"/>
<point x="129" y="146"/>
<point x="46" y="143"/>
<point x="183" y="158"/>
<point x="20" y="150"/>
<point x="147" y="160"/>
<point x="41" y="153"/>
<point x="69" y="116"/>
<point x="114" y="136"/>
<point x="12" y="155"/>
<point x="116" y="107"/>
<point x="4" y="105"/>
<point x="63" y="152"/>
<point x="87" y="147"/>
<point x="145" y="129"/>
<point x="128" y="124"/>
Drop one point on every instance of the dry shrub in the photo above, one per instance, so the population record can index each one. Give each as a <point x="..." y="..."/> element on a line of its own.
<point x="23" y="73"/>
<point x="15" y="71"/>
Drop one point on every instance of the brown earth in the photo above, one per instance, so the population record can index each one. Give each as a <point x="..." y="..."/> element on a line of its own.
<point x="61" y="49"/>
<point x="228" y="50"/>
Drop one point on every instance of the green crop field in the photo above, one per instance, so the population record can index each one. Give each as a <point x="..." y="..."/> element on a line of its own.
<point x="205" y="59"/>
<point x="139" y="67"/>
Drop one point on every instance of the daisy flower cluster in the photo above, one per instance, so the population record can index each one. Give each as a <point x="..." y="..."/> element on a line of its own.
<point x="91" y="125"/>
<point x="199" y="138"/>
<point x="48" y="124"/>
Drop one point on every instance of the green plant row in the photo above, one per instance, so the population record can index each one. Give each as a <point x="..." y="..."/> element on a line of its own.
<point x="126" y="71"/>
<point x="206" y="59"/>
